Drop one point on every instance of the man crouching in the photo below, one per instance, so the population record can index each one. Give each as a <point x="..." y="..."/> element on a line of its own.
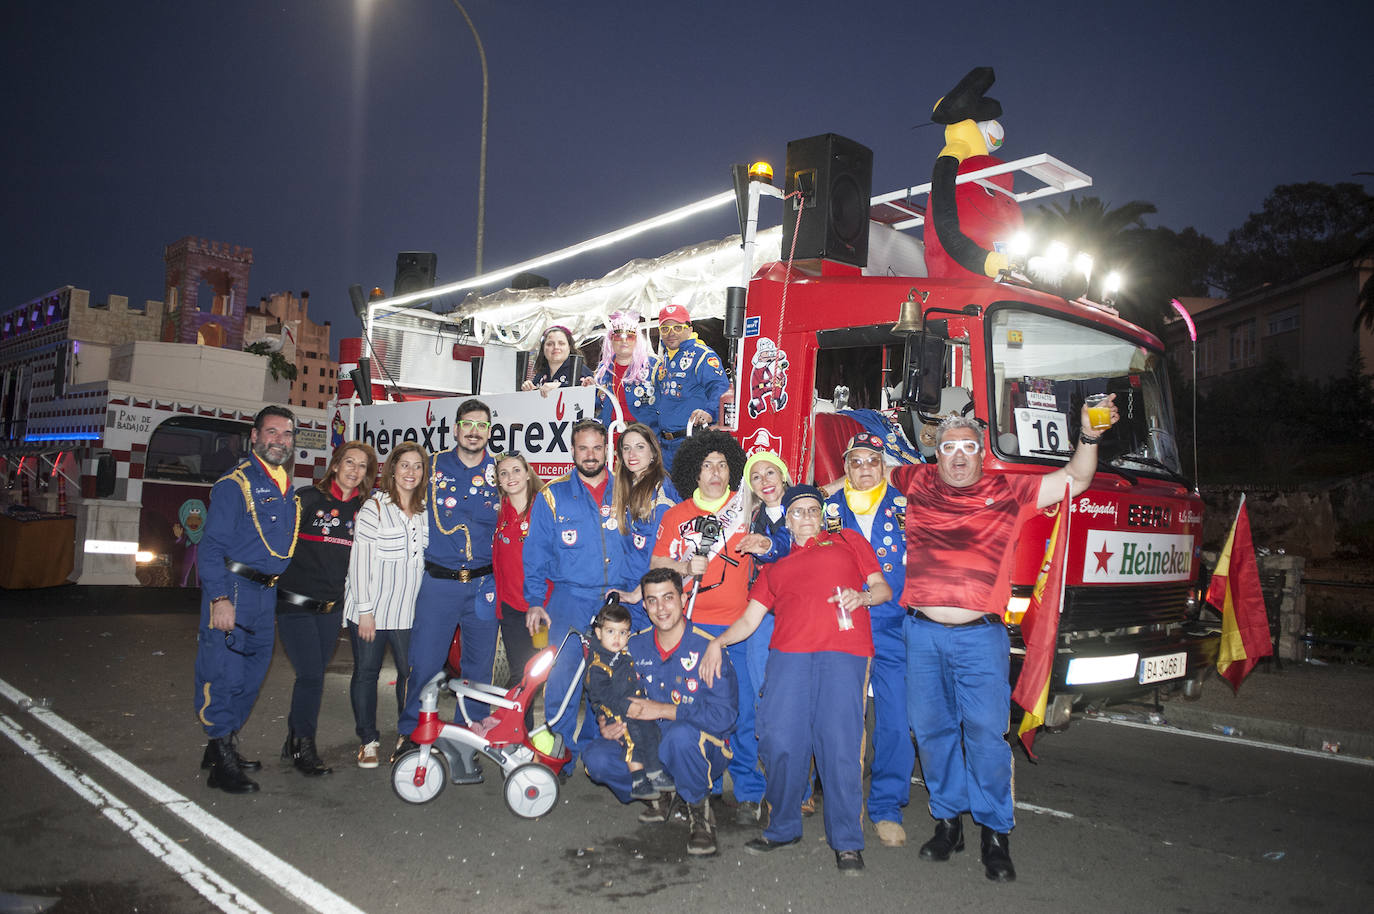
<point x="694" y="719"/>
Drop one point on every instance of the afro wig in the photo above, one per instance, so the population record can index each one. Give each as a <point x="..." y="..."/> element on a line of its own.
<point x="695" y="450"/>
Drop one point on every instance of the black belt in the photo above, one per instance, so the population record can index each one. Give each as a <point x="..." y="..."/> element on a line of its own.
<point x="304" y="602"/>
<point x="252" y="574"/>
<point x="985" y="619"/>
<point x="459" y="574"/>
<point x="671" y="436"/>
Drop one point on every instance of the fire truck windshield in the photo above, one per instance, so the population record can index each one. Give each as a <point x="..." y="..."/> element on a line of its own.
<point x="1044" y="365"/>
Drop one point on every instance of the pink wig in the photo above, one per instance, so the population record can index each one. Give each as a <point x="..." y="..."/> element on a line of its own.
<point x="639" y="360"/>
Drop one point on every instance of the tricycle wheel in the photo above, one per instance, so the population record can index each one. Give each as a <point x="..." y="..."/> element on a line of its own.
<point x="416" y="784"/>
<point x="531" y="790"/>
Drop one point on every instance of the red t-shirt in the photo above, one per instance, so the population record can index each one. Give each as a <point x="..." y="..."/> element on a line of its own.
<point x="507" y="557"/>
<point x="724" y="586"/>
<point x="798" y="586"/>
<point x="959" y="541"/>
<point x="618" y="385"/>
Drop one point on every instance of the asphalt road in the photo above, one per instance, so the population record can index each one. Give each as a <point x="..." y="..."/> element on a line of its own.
<point x="105" y="807"/>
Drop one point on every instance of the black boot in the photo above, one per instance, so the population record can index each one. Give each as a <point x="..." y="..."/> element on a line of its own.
<point x="997" y="856"/>
<point x="225" y="772"/>
<point x="949" y="838"/>
<point x="300" y="752"/>
<point x="244" y="763"/>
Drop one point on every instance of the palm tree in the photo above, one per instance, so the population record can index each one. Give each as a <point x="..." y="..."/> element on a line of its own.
<point x="1112" y="235"/>
<point x="1090" y="224"/>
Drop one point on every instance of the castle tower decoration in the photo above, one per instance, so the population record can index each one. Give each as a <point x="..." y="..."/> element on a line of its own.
<point x="207" y="292"/>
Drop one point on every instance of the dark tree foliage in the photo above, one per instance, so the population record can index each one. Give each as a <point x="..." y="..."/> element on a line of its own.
<point x="1267" y="424"/>
<point x="1301" y="229"/>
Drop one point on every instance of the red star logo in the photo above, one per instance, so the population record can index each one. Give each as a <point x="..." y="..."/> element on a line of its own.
<point x="1102" y="556"/>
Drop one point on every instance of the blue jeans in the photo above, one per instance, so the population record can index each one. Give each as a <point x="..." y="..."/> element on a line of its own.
<point x="367" y="666"/>
<point x="309" y="639"/>
<point x="959" y="702"/>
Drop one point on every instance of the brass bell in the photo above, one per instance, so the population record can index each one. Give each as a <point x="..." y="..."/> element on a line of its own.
<point x="909" y="317"/>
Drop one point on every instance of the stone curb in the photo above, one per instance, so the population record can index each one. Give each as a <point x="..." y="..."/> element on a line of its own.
<point x="1303" y="736"/>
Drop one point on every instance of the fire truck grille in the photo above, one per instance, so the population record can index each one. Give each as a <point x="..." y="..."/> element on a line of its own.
<point x="1111" y="608"/>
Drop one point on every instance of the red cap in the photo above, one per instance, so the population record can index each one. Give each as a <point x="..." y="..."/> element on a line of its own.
<point x="675" y="314"/>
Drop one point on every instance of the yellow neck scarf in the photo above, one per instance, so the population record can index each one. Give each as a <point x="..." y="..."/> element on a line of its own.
<point x="712" y="505"/>
<point x="864" y="502"/>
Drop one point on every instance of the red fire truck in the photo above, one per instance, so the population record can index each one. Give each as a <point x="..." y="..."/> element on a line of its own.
<point x="808" y="337"/>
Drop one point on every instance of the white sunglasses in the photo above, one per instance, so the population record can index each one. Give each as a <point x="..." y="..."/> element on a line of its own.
<point x="950" y="448"/>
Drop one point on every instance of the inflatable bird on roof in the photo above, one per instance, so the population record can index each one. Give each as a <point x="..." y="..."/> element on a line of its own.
<point x="971" y="222"/>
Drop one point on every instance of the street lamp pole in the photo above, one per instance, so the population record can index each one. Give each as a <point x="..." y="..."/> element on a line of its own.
<point x="482" y="161"/>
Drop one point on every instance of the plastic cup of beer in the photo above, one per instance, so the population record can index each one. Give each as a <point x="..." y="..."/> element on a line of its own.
<point x="1099" y="411"/>
<point x="540" y="636"/>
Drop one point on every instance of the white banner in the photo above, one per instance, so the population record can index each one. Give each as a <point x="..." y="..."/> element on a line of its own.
<point x="538" y="427"/>
<point x="1125" y="556"/>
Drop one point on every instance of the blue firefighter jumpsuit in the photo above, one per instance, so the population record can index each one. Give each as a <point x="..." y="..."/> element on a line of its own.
<point x="691" y="378"/>
<point x="462" y="506"/>
<point x="574" y="544"/>
<point x="252" y="522"/>
<point x="692" y="748"/>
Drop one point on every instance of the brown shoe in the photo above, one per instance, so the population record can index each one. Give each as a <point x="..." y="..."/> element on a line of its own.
<point x="657" y="810"/>
<point x="701" y="828"/>
<point x="367" y="754"/>
<point x="809" y="806"/>
<point x="890" y="833"/>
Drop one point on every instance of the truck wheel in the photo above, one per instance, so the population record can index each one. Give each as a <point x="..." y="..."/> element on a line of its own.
<point x="431" y="781"/>
<point x="531" y="790"/>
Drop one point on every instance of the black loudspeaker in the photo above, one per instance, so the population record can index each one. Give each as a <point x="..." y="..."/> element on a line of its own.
<point x="414" y="271"/>
<point x="836" y="174"/>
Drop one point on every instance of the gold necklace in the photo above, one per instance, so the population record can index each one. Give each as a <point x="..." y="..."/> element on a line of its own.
<point x="253" y="513"/>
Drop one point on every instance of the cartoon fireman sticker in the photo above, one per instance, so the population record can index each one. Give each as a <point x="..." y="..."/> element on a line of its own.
<point x="767" y="378"/>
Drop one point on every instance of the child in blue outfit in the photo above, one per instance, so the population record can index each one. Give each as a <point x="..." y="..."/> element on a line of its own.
<point x="610" y="684"/>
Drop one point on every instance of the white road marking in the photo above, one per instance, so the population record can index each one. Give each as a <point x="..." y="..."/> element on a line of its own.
<point x="211" y="885"/>
<point x="1234" y="740"/>
<point x="1045" y="810"/>
<point x="285" y="876"/>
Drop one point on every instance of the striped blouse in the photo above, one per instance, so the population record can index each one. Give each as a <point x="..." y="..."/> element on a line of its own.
<point x="387" y="563"/>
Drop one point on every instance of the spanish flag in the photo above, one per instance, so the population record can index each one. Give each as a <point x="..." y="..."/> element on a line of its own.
<point x="1235" y="590"/>
<point x="1040" y="629"/>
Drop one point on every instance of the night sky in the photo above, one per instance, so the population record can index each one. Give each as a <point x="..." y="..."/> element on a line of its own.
<point x="328" y="135"/>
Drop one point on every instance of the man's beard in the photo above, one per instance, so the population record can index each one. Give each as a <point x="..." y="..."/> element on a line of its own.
<point x="596" y="472"/>
<point x="262" y="449"/>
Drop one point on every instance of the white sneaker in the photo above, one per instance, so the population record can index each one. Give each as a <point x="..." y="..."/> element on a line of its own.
<point x="367" y="754"/>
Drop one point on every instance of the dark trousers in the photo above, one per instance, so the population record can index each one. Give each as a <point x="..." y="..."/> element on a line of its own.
<point x="516" y="637"/>
<point x="309" y="640"/>
<point x="609" y="690"/>
<point x="367" y="666"/>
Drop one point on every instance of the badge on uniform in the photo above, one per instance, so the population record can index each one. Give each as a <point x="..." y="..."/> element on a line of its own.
<point x="690" y="661"/>
<point x="570" y="537"/>
<point x="640" y="540"/>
